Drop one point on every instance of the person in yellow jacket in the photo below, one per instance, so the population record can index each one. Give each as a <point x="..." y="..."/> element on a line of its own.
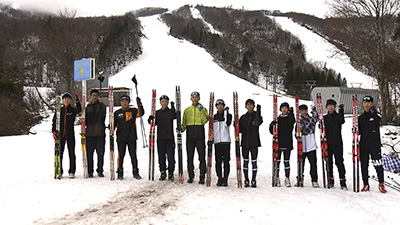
<point x="194" y="118"/>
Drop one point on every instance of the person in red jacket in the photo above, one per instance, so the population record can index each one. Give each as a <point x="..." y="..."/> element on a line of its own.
<point x="68" y="114"/>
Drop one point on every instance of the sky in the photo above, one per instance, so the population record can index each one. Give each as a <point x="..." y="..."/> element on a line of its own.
<point x="117" y="7"/>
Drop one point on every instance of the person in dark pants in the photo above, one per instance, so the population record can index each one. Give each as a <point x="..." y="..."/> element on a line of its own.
<point x="285" y="123"/>
<point x="95" y="115"/>
<point x="125" y="123"/>
<point x="333" y="127"/>
<point x="165" y="137"/>
<point x="194" y="118"/>
<point x="222" y="142"/>
<point x="249" y="124"/>
<point x="370" y="143"/>
<point x="68" y="114"/>
<point x="307" y="124"/>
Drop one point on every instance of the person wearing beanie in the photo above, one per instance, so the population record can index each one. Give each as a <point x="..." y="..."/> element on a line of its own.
<point x="333" y="127"/>
<point x="285" y="123"/>
<point x="193" y="121"/>
<point x="67" y="134"/>
<point x="125" y="123"/>
<point x="370" y="143"/>
<point x="95" y="116"/>
<point x="249" y="125"/>
<point x="307" y="124"/>
<point x="165" y="137"/>
<point x="222" y="142"/>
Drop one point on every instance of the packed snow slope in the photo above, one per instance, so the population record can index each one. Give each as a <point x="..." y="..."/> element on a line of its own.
<point x="31" y="195"/>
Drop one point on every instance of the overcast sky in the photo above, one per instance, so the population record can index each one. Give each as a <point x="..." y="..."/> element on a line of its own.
<point x="116" y="7"/>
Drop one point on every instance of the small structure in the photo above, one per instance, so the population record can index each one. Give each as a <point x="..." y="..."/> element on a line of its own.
<point x="118" y="92"/>
<point x="344" y="95"/>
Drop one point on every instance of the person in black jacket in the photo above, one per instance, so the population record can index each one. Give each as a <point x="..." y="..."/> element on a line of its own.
<point x="95" y="115"/>
<point x="249" y="124"/>
<point x="165" y="137"/>
<point x="125" y="123"/>
<point x="285" y="139"/>
<point x="370" y="143"/>
<point x="68" y="114"/>
<point x="333" y="127"/>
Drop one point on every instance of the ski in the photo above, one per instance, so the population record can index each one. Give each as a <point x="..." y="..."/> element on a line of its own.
<point x="324" y="143"/>
<point x="111" y="122"/>
<point x="152" y="136"/>
<point x="57" y="149"/>
<point x="275" y="143"/>
<point x="387" y="184"/>
<point x="210" y="142"/>
<point x="237" y="143"/>
<point x="179" y="132"/>
<point x="355" y="148"/>
<point x="394" y="181"/>
<point x="300" y="164"/>
<point x="83" y="132"/>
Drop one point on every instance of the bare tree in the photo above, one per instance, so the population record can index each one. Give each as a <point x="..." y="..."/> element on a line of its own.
<point x="371" y="24"/>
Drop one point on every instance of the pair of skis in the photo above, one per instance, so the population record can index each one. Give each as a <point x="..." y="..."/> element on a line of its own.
<point x="152" y="135"/>
<point x="111" y="122"/>
<point x="179" y="132"/>
<point x="275" y="144"/>
<point x="57" y="149"/>
<point x="300" y="162"/>
<point x="210" y="142"/>
<point x="355" y="147"/>
<point x="324" y="143"/>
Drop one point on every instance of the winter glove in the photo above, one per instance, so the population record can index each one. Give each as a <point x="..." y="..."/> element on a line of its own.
<point x="373" y="110"/>
<point x="200" y="107"/>
<point x="55" y="135"/>
<point x="341" y="106"/>
<point x="290" y="110"/>
<point x="77" y="97"/>
<point x="259" y="108"/>
<point x="138" y="101"/>
<point x="312" y="105"/>
<point x="150" y="119"/>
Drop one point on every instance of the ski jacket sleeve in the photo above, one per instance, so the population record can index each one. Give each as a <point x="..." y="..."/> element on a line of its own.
<point x="314" y="117"/>
<point x="78" y="108"/>
<point x="271" y="128"/>
<point x="341" y="116"/>
<point x="228" y="118"/>
<point x="194" y="116"/>
<point x="53" y="126"/>
<point x="258" y="119"/>
<point x="140" y="109"/>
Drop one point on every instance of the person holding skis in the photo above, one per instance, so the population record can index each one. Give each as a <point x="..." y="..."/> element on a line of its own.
<point x="165" y="137"/>
<point x="125" y="123"/>
<point x="333" y="127"/>
<point x="249" y="124"/>
<point x="68" y="114"/>
<point x="285" y="123"/>
<point x="370" y="143"/>
<point x="222" y="141"/>
<point x="95" y="115"/>
<point x="194" y="119"/>
<point x="307" y="124"/>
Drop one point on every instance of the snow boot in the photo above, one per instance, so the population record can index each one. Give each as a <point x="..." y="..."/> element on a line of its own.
<point x="287" y="182"/>
<point x="190" y="180"/>
<point x="278" y="182"/>
<point x="71" y="176"/>
<point x="170" y="177"/>
<point x="163" y="175"/>
<point x="201" y="180"/>
<point x="315" y="184"/>
<point x="100" y="174"/>
<point x="246" y="183"/>
<point x="253" y="183"/>
<point x="224" y="182"/>
<point x="331" y="182"/>
<point x="365" y="188"/>
<point x="343" y="185"/>
<point x="381" y="187"/>
<point x="136" y="174"/>
<point x="219" y="182"/>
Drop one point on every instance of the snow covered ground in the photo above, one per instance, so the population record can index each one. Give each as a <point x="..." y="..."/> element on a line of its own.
<point x="29" y="194"/>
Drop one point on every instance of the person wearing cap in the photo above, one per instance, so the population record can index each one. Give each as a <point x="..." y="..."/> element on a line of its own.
<point x="67" y="134"/>
<point x="193" y="121"/>
<point x="285" y="123"/>
<point x="125" y="123"/>
<point x="333" y="126"/>
<point x="307" y="124"/>
<point x="249" y="124"/>
<point x="370" y="143"/>
<point x="165" y="137"/>
<point x="222" y="142"/>
<point x="95" y="116"/>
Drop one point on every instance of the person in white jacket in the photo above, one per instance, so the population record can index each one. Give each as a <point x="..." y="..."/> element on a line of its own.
<point x="222" y="141"/>
<point x="308" y="123"/>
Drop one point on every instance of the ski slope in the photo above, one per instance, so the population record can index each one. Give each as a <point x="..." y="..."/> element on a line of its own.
<point x="31" y="195"/>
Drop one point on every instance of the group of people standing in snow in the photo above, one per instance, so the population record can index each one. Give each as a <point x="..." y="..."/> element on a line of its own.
<point x="193" y="121"/>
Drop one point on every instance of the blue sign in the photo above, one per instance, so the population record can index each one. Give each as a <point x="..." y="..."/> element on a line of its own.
<point x="84" y="69"/>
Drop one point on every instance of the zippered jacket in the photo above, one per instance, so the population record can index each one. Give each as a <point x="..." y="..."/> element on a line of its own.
<point x="125" y="123"/>
<point x="68" y="115"/>
<point x="222" y="121"/>
<point x="249" y="124"/>
<point x="193" y="121"/>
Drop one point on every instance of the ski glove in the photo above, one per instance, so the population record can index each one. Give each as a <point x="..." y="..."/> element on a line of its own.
<point x="138" y="101"/>
<point x="291" y="110"/>
<point x="55" y="135"/>
<point x="172" y="105"/>
<point x="341" y="106"/>
<point x="259" y="108"/>
<point x="150" y="119"/>
<point x="77" y="97"/>
<point x="200" y="107"/>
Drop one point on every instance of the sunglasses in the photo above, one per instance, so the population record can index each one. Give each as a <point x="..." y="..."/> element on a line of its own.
<point x="367" y="99"/>
<point x="195" y="93"/>
<point x="164" y="97"/>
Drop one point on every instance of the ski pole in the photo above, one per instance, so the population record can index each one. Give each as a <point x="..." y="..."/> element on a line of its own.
<point x="141" y="118"/>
